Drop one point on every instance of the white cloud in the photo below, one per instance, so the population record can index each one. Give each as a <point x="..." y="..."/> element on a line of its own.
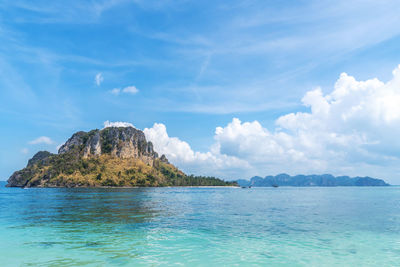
<point x="180" y="153"/>
<point x="98" y="78"/>
<point x="127" y="90"/>
<point x="115" y="91"/>
<point x="117" y="124"/>
<point x="130" y="90"/>
<point x="25" y="151"/>
<point x="352" y="130"/>
<point x="42" y="140"/>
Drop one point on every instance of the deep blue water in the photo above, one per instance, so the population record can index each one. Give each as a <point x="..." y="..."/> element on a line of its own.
<point x="285" y="226"/>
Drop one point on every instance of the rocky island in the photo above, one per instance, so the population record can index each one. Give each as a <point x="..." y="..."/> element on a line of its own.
<point x="310" y="180"/>
<point x="111" y="157"/>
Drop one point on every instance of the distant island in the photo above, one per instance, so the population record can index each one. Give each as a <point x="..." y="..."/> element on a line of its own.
<point x="310" y="180"/>
<point x="111" y="157"/>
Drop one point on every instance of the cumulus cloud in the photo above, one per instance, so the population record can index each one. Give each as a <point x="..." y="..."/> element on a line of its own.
<point x="117" y="124"/>
<point x="180" y="153"/>
<point x="42" y="140"/>
<point x="25" y="151"/>
<point x="127" y="90"/>
<point x="354" y="129"/>
<point x="357" y="119"/>
<point x="98" y="79"/>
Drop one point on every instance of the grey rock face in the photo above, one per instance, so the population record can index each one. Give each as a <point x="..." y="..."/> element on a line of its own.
<point x="92" y="146"/>
<point x="76" y="140"/>
<point x="122" y="142"/>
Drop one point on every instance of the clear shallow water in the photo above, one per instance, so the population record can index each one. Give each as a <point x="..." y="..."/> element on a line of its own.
<point x="283" y="226"/>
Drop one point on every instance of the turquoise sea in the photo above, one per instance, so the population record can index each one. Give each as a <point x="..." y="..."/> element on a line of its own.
<point x="285" y="226"/>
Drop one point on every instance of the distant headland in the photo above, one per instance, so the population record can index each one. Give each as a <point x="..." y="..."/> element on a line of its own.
<point x="111" y="157"/>
<point x="311" y="180"/>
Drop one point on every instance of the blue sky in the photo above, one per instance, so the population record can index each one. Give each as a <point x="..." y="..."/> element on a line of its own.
<point x="193" y="66"/>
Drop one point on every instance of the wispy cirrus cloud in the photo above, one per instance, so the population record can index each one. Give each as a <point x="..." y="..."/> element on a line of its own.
<point x="58" y="12"/>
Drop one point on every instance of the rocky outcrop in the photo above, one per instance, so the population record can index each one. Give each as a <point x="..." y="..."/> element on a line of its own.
<point x="122" y="142"/>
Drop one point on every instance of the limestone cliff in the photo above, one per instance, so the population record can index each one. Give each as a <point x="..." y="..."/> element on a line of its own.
<point x="122" y="142"/>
